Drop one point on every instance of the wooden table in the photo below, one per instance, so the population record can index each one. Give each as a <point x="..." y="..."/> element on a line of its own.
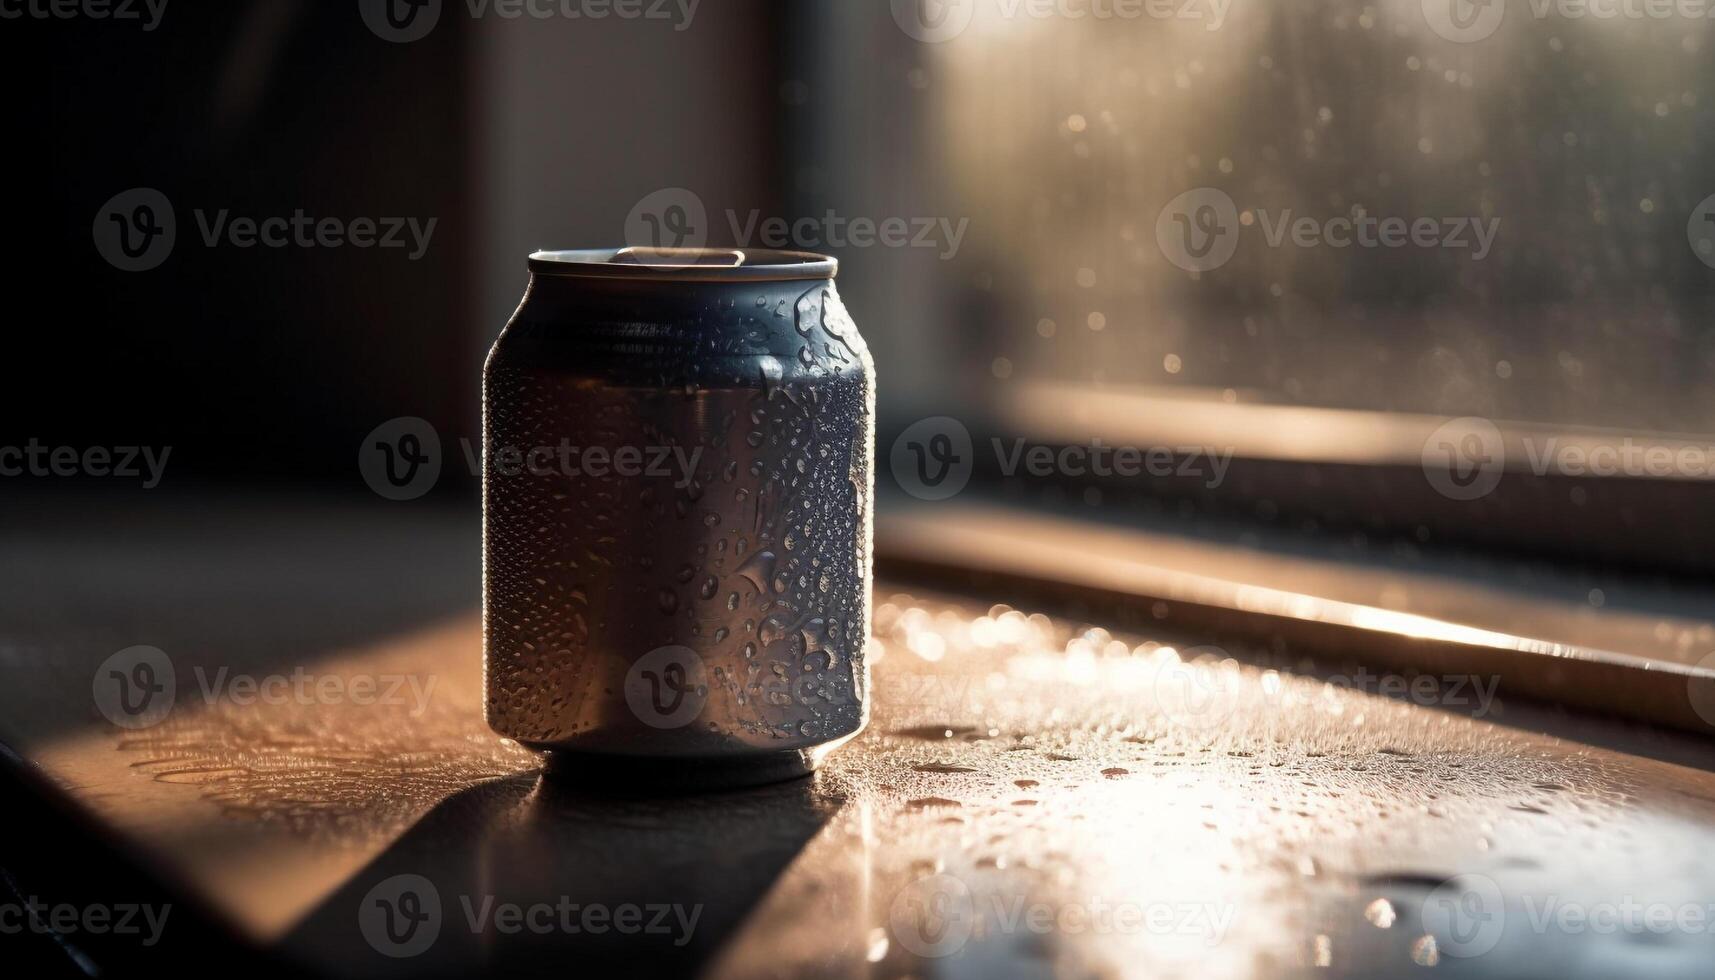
<point x="1034" y="795"/>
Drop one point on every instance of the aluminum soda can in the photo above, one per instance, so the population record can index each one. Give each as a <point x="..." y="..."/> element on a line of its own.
<point x="677" y="532"/>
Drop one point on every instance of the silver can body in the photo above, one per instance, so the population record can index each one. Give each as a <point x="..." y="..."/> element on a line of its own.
<point x="677" y="517"/>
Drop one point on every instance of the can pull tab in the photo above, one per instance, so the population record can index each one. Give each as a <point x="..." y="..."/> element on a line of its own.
<point x="724" y="258"/>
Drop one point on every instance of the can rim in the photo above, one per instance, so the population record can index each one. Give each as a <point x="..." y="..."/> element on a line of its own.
<point x="684" y="264"/>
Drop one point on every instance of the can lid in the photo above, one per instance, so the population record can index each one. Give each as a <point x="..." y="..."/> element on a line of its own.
<point x="684" y="264"/>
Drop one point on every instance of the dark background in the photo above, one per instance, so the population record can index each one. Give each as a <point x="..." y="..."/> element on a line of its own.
<point x="268" y="366"/>
<point x="258" y="362"/>
<point x="272" y="363"/>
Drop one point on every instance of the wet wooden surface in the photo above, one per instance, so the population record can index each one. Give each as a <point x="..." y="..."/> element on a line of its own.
<point x="1578" y="636"/>
<point x="1035" y="795"/>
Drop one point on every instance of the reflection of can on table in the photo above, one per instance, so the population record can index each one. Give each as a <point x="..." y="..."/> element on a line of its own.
<point x="677" y="526"/>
